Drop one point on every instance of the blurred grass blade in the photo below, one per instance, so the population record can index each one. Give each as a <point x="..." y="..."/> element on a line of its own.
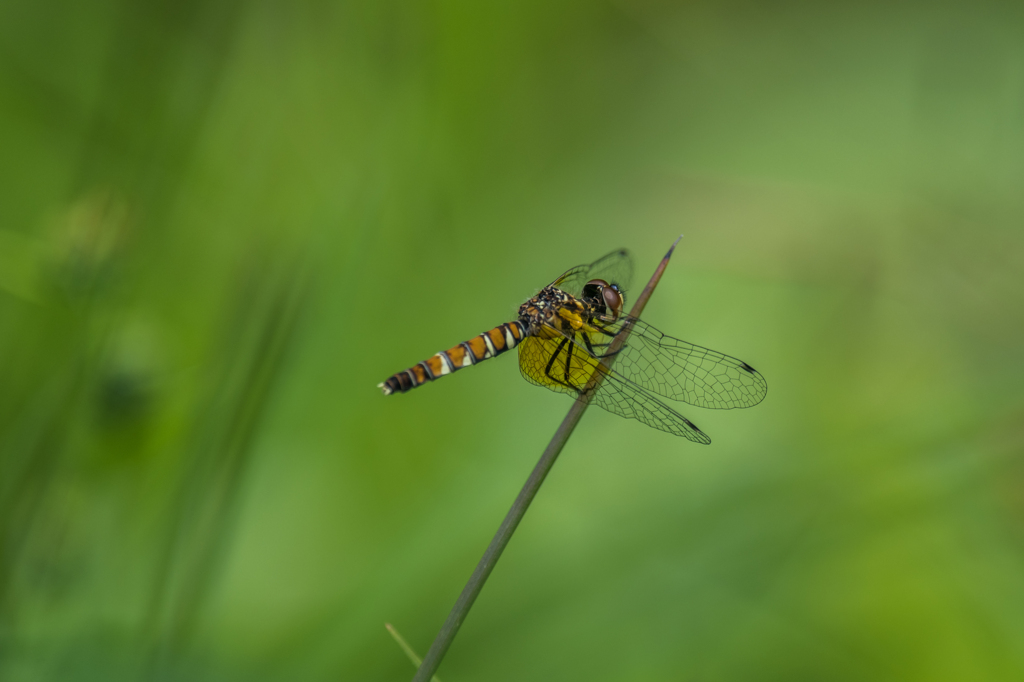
<point x="258" y="336"/>
<point x="416" y="660"/>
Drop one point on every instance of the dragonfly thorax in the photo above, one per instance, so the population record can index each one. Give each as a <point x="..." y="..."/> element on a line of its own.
<point x="551" y="307"/>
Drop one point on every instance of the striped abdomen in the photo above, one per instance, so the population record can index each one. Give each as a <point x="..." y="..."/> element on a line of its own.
<point x="479" y="348"/>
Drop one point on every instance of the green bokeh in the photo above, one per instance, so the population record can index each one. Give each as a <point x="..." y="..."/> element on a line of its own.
<point x="221" y="224"/>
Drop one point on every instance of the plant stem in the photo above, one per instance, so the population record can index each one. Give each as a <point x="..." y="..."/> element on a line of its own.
<point x="547" y="460"/>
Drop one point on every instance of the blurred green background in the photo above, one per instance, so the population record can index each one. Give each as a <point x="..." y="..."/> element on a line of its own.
<point x="222" y="224"/>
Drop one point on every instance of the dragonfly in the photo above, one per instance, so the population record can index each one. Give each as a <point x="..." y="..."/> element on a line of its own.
<point x="566" y="331"/>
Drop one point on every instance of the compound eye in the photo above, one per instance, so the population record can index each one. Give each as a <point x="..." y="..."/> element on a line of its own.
<point x="593" y="288"/>
<point x="612" y="300"/>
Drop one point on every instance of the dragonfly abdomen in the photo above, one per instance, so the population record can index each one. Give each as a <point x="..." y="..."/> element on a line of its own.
<point x="487" y="345"/>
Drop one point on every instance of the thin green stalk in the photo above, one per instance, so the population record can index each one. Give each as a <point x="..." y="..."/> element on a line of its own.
<point x="406" y="648"/>
<point x="547" y="460"/>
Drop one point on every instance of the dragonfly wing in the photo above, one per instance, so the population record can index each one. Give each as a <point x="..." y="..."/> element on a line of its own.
<point x="679" y="370"/>
<point x="632" y="402"/>
<point x="561" y="365"/>
<point x="614" y="268"/>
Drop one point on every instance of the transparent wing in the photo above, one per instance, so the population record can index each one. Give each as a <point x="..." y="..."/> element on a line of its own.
<point x="682" y="371"/>
<point x="629" y="401"/>
<point x="561" y="365"/>
<point x="614" y="268"/>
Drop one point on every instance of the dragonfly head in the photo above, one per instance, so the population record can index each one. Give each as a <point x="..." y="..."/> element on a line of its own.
<point x="607" y="297"/>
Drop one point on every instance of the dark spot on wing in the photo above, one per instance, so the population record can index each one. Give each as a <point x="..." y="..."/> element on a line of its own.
<point x="695" y="428"/>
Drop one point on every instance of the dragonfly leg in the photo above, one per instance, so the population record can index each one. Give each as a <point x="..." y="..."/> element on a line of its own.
<point x="591" y="346"/>
<point x="603" y="330"/>
<point x="554" y="356"/>
<point x="551" y="364"/>
<point x="568" y="357"/>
